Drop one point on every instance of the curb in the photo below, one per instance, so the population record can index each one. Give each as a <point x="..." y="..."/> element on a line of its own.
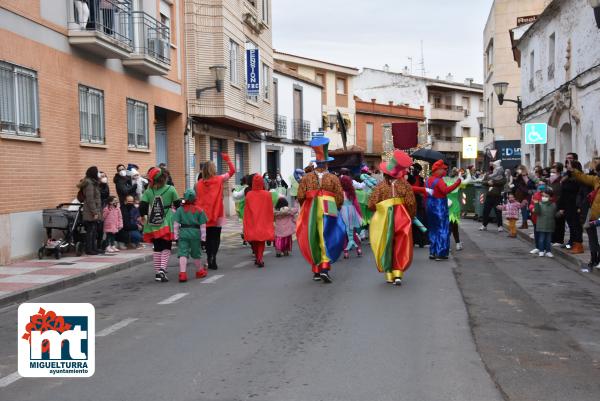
<point x="572" y="262"/>
<point x="44" y="289"/>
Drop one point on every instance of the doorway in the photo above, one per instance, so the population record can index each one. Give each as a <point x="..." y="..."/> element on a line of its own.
<point x="160" y="135"/>
<point x="273" y="158"/>
<point x="566" y="138"/>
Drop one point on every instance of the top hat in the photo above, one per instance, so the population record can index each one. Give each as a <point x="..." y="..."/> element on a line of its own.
<point x="399" y="162"/>
<point x="321" y="147"/>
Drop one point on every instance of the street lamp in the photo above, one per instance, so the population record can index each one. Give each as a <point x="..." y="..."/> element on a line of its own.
<point x="481" y="121"/>
<point x="595" y="4"/>
<point x="501" y="88"/>
<point x="219" y="74"/>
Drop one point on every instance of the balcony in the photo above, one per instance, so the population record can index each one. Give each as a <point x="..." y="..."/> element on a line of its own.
<point x="280" y="127"/>
<point x="102" y="27"/>
<point x="152" y="46"/>
<point x="447" y="143"/>
<point x="447" y="112"/>
<point x="302" y="130"/>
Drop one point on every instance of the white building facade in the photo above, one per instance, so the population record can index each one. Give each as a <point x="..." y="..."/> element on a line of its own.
<point x="451" y="108"/>
<point x="560" y="75"/>
<point x="297" y="102"/>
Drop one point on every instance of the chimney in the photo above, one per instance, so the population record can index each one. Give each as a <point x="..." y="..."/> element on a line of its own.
<point x="373" y="101"/>
<point x="405" y="70"/>
<point x="449" y="77"/>
<point x="391" y="102"/>
<point x="469" y="81"/>
<point x="386" y="68"/>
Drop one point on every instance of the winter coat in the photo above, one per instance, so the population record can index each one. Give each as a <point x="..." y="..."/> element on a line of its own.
<point x="113" y="220"/>
<point x="131" y="217"/>
<point x="511" y="210"/>
<point x="593" y="182"/>
<point x="569" y="195"/>
<point x="104" y="194"/>
<point x="92" y="205"/>
<point x="285" y="222"/>
<point x="546" y="216"/>
<point x="124" y="187"/>
<point x="522" y="189"/>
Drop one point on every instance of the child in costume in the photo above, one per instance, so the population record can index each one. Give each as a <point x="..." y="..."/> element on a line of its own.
<point x="351" y="217"/>
<point x="285" y="226"/>
<point x="239" y="197"/>
<point x="113" y="223"/>
<point x="320" y="232"/>
<point x="258" y="218"/>
<point x="511" y="210"/>
<point x="190" y="229"/>
<point x="156" y="207"/>
<point x="438" y="219"/>
<point x="391" y="227"/>
<point x="545" y="211"/>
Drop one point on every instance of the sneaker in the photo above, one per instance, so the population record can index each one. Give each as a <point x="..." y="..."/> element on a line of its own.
<point x="500" y="229"/>
<point x="201" y="273"/>
<point x="585" y="270"/>
<point x="122" y="246"/>
<point x="557" y="244"/>
<point x="541" y="254"/>
<point x="459" y="246"/>
<point x="182" y="277"/>
<point x="158" y="277"/>
<point x="163" y="276"/>
<point x="316" y="277"/>
<point x="260" y="264"/>
<point x="110" y="249"/>
<point x="483" y="228"/>
<point x="398" y="282"/>
<point x="116" y="250"/>
<point x="534" y="251"/>
<point x="326" y="277"/>
<point x="432" y="257"/>
<point x="549" y="255"/>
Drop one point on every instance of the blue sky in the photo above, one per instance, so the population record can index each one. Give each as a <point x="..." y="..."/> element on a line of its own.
<point x="372" y="33"/>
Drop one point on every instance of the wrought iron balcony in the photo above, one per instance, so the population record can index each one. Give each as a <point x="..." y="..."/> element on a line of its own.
<point x="280" y="127"/>
<point x="152" y="45"/>
<point x="102" y="27"/>
<point x="302" y="130"/>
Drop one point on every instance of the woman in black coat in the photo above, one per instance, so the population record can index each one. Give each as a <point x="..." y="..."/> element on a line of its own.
<point x="123" y="184"/>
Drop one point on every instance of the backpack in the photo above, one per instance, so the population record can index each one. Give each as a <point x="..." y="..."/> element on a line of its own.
<point x="157" y="212"/>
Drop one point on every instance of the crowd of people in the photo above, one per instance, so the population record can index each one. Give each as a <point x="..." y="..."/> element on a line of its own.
<point x="332" y="214"/>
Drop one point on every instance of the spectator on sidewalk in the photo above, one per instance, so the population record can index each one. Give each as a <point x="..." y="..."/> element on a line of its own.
<point x="113" y="223"/>
<point x="131" y="234"/>
<point x="593" y="213"/>
<point x="569" y="208"/>
<point x="545" y="210"/>
<point x="511" y="211"/>
<point x="123" y="184"/>
<point x="555" y="182"/>
<point x="104" y="195"/>
<point x="92" y="208"/>
<point x="524" y="188"/>
<point x="495" y="182"/>
<point x="140" y="183"/>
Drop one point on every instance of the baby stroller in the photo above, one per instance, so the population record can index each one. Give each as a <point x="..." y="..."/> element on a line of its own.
<point x="66" y="218"/>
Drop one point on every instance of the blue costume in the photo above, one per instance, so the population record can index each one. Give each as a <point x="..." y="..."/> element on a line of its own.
<point x="438" y="223"/>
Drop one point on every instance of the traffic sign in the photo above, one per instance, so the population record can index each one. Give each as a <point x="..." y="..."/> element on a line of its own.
<point x="536" y="134"/>
<point x="469" y="147"/>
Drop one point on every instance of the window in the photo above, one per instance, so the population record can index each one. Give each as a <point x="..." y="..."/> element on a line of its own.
<point x="234" y="56"/>
<point x="466" y="132"/>
<point x="165" y="18"/>
<point x="340" y="86"/>
<point x="298" y="160"/>
<point x="466" y="104"/>
<point x="369" y="137"/>
<point x="320" y="79"/>
<point x="266" y="81"/>
<point x="265" y="11"/>
<point x="19" y="108"/>
<point x="481" y="105"/>
<point x="217" y="147"/>
<point x="91" y="115"/>
<point x="137" y="124"/>
<point x="551" y="55"/>
<point x="531" y="71"/>
<point x="489" y="55"/>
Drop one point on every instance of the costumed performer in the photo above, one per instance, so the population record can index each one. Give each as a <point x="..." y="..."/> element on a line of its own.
<point x="190" y="230"/>
<point x="258" y="218"/>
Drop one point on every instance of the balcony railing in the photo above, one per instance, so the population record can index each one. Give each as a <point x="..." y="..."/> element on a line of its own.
<point x="280" y="126"/>
<point x="152" y="45"/>
<point x="302" y="130"/>
<point x="440" y="106"/>
<point x="102" y="26"/>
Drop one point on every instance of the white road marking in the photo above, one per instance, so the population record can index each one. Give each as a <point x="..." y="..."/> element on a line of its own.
<point x="242" y="264"/>
<point x="173" y="298"/>
<point x="115" y="327"/>
<point x="13" y="377"/>
<point x="212" y="279"/>
<point x="267" y="252"/>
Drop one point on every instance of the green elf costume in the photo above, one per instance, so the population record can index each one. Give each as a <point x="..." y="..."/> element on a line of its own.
<point x="190" y="227"/>
<point x="454" y="206"/>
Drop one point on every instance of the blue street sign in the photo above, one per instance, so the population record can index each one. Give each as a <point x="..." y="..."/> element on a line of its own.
<point x="318" y="134"/>
<point x="252" y="72"/>
<point x="536" y="134"/>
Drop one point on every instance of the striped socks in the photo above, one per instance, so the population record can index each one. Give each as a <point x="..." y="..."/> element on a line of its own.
<point x="164" y="259"/>
<point x="182" y="264"/>
<point x="156" y="258"/>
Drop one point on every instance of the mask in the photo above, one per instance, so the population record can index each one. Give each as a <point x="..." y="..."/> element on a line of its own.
<point x="99" y="175"/>
<point x="137" y="205"/>
<point x="103" y="180"/>
<point x="545" y="199"/>
<point x="123" y="173"/>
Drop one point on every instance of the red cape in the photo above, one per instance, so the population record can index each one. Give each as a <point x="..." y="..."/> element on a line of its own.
<point x="209" y="197"/>
<point x="258" y="216"/>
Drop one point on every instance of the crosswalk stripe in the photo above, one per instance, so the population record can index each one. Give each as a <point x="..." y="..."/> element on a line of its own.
<point x="13" y="377"/>
<point x="212" y="279"/>
<point x="115" y="327"/>
<point x="173" y="298"/>
<point x="242" y="264"/>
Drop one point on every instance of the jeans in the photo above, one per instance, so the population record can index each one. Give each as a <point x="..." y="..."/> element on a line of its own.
<point x="213" y="241"/>
<point x="490" y="204"/>
<point x="525" y="214"/>
<point x="544" y="243"/>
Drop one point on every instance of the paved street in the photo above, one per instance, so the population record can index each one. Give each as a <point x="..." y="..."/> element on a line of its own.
<point x="273" y="334"/>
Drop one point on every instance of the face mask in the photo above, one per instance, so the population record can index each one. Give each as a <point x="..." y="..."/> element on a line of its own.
<point x="99" y="175"/>
<point x="545" y="199"/>
<point x="137" y="205"/>
<point x="103" y="180"/>
<point x="553" y="176"/>
<point x="123" y="173"/>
